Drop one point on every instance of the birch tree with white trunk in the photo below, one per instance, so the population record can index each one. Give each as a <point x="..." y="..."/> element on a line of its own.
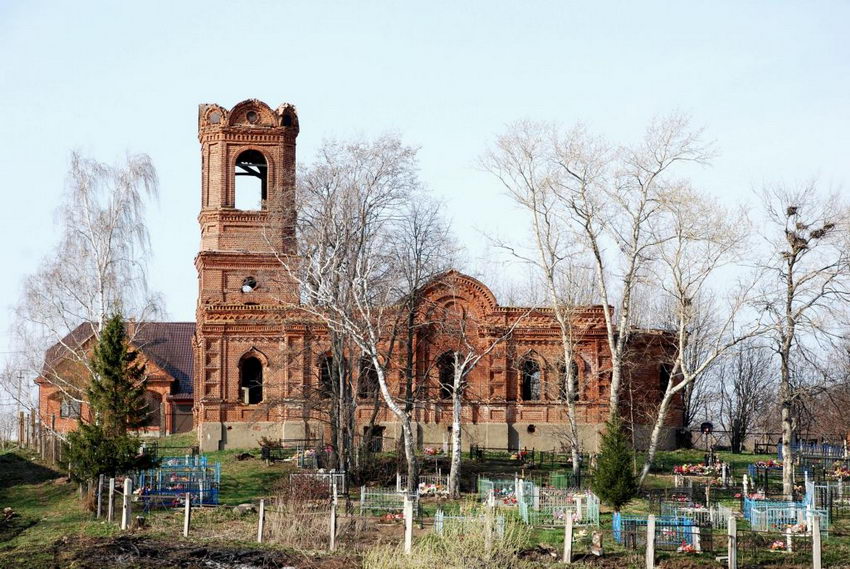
<point x="700" y="238"/>
<point x="463" y="330"/>
<point x="351" y="204"/>
<point x="523" y="161"/>
<point x="807" y="286"/>
<point x="98" y="267"/>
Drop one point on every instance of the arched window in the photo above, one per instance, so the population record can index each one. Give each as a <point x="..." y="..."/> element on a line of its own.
<point x="530" y="371"/>
<point x="574" y="373"/>
<point x="664" y="373"/>
<point x="367" y="386"/>
<point x="251" y="380"/>
<point x="326" y="377"/>
<point x="446" y="371"/>
<point x="251" y="175"/>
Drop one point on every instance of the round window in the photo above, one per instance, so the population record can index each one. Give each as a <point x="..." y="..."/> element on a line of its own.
<point x="249" y="284"/>
<point x="252" y="116"/>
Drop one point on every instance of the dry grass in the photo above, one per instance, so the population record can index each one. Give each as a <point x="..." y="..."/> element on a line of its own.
<point x="472" y="546"/>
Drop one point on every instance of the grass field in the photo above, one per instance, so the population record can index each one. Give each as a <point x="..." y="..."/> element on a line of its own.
<point x="52" y="529"/>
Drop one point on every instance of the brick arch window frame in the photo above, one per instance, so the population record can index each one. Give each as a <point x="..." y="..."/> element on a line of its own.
<point x="252" y="366"/>
<point x="531" y="378"/>
<point x="579" y="373"/>
<point x="263" y="172"/>
<point x="445" y="364"/>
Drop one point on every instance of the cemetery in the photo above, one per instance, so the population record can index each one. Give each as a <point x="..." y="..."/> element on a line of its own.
<point x="728" y="515"/>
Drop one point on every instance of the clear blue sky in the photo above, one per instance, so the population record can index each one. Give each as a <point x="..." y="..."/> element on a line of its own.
<point x="769" y="80"/>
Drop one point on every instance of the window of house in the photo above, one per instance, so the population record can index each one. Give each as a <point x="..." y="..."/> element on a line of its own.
<point x="251" y="380"/>
<point x="69" y="409"/>
<point x="530" y="372"/>
<point x="152" y="409"/>
<point x="251" y="175"/>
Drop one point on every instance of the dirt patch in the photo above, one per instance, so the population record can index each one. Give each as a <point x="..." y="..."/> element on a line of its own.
<point x="132" y="552"/>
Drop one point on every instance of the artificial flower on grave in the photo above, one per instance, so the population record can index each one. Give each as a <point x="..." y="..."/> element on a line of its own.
<point x="686" y="548"/>
<point x="798" y="528"/>
<point x="777" y="545"/>
<point x="693" y="469"/>
<point x="839" y="473"/>
<point x="769" y="464"/>
<point x="431" y="451"/>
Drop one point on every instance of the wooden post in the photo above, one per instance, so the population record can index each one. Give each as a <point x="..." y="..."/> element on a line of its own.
<point x="408" y="524"/>
<point x="261" y="525"/>
<point x="162" y="420"/>
<point x="332" y="542"/>
<point x="816" y="543"/>
<point x="99" y="496"/>
<point x="21" y="429"/>
<point x="126" y="505"/>
<point x="53" y="453"/>
<point x="32" y="430"/>
<point x="110" y="507"/>
<point x="650" y="542"/>
<point x="733" y="543"/>
<point x="568" y="538"/>
<point x="187" y="514"/>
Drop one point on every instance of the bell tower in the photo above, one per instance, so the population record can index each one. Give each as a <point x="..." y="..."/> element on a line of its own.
<point x="247" y="224"/>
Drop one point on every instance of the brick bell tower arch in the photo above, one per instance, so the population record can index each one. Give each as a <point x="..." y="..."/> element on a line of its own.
<point x="247" y="223"/>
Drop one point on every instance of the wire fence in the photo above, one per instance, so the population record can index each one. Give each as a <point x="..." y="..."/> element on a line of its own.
<point x="385" y="500"/>
<point x="458" y="524"/>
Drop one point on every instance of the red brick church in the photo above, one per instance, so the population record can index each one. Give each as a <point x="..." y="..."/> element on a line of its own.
<point x="257" y="362"/>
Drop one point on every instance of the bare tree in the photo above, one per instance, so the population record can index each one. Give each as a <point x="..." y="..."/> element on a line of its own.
<point x="351" y="203"/>
<point x="611" y="199"/>
<point x="745" y="375"/>
<point x="462" y="331"/>
<point x="523" y="160"/>
<point x="99" y="267"/>
<point x="808" y="285"/>
<point x="700" y="238"/>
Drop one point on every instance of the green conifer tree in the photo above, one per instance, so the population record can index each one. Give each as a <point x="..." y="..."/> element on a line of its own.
<point x="116" y="396"/>
<point x="614" y="480"/>
<point x="116" y="391"/>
